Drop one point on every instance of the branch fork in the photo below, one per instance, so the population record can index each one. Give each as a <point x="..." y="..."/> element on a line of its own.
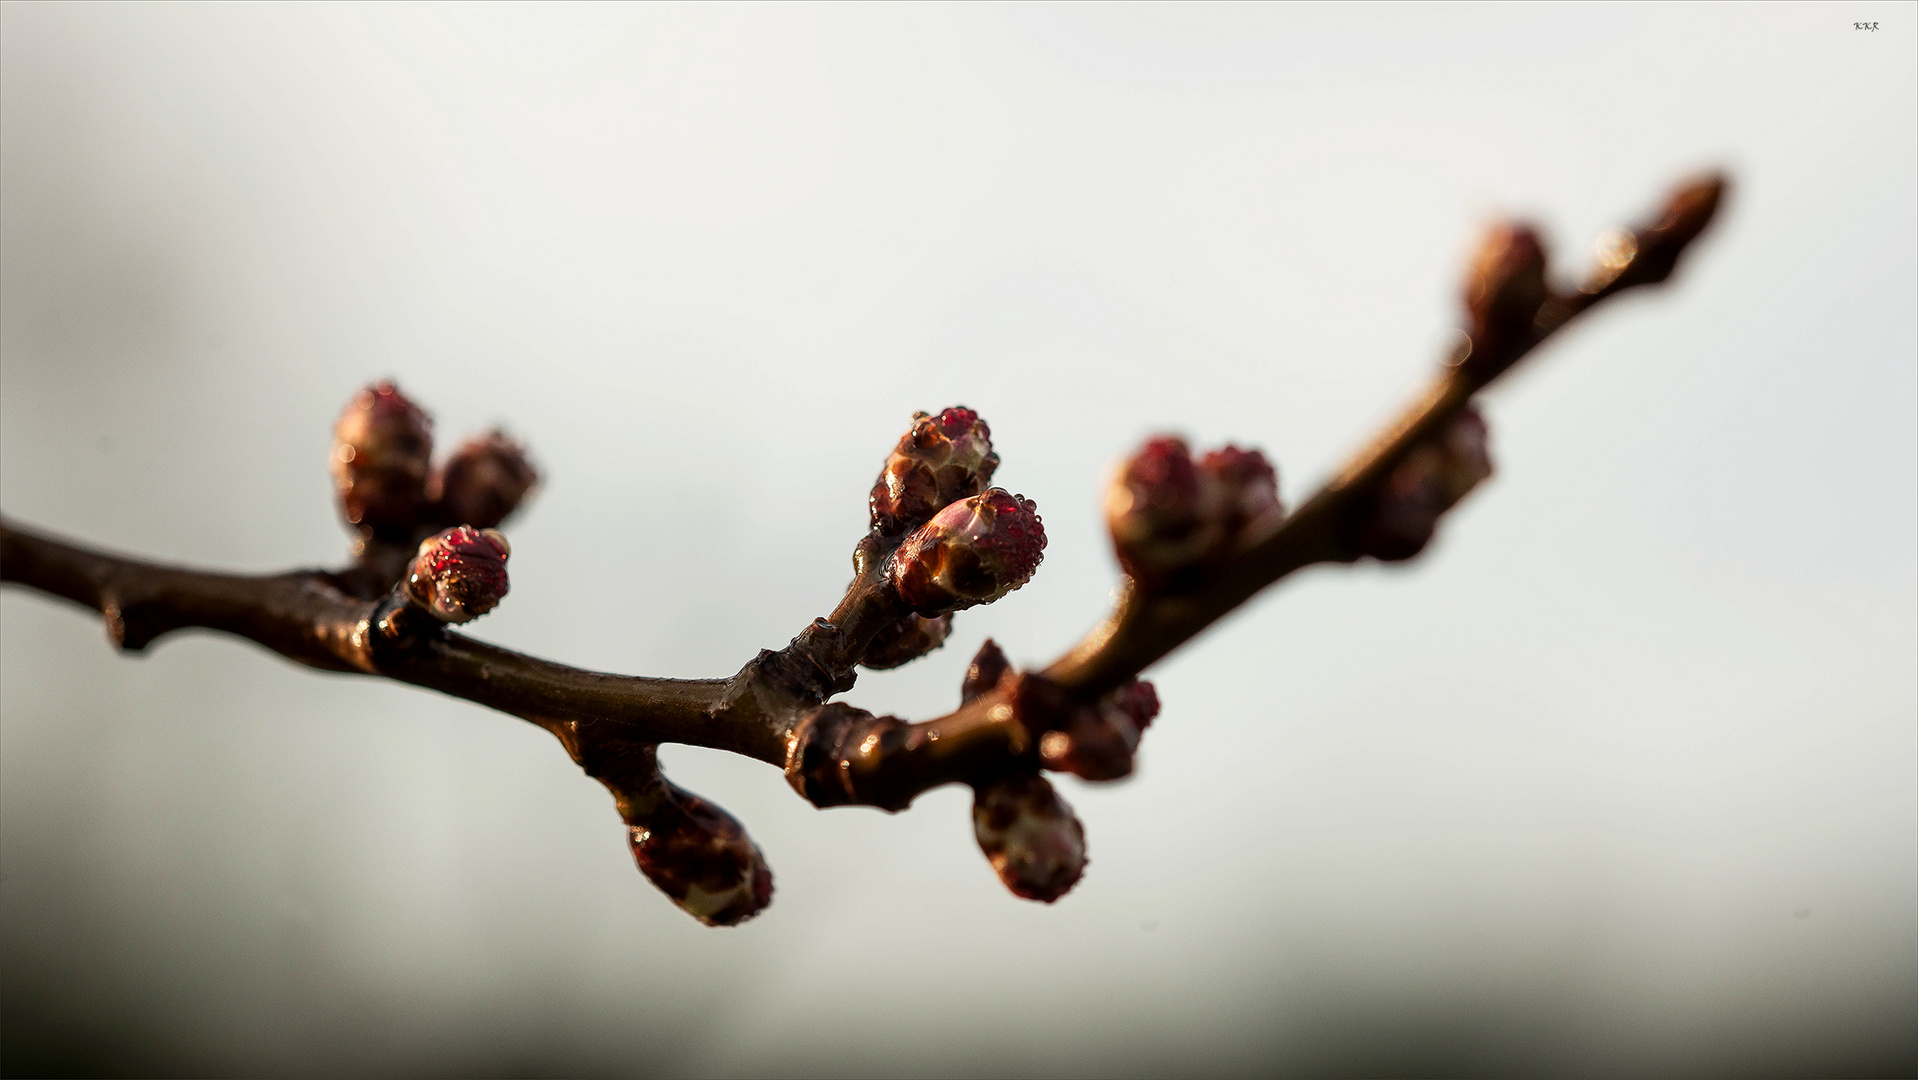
<point x="1196" y="537"/>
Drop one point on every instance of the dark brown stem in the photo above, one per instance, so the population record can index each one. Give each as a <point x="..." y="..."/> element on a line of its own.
<point x="305" y="617"/>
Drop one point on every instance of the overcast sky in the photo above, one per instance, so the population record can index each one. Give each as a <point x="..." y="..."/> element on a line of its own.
<point x="1622" y="775"/>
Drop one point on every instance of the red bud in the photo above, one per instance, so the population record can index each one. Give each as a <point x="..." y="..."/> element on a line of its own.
<point x="701" y="858"/>
<point x="1504" y="289"/>
<point x="382" y="446"/>
<point x="459" y="574"/>
<point x="942" y="459"/>
<point x="1030" y="836"/>
<point x="1098" y="741"/>
<point x="1168" y="513"/>
<point x="972" y="552"/>
<point x="483" y="482"/>
<point x="1432" y="479"/>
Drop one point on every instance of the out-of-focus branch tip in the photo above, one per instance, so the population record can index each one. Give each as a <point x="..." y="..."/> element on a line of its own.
<point x="1647" y="254"/>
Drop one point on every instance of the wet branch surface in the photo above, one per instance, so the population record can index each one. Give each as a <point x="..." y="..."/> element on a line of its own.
<point x="1197" y="539"/>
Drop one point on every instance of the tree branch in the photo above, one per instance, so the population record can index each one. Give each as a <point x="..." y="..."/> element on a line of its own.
<point x="1197" y="539"/>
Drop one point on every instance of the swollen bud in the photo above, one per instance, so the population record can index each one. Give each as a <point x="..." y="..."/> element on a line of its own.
<point x="382" y="447"/>
<point x="1504" y="289"/>
<point x="972" y="552"/>
<point x="1434" y="476"/>
<point x="1098" y="741"/>
<point x="1648" y="255"/>
<point x="1168" y="512"/>
<point x="906" y="640"/>
<point x="942" y="459"/>
<point x="1244" y="485"/>
<point x="1030" y="836"/>
<point x="459" y="574"/>
<point x="483" y="482"/>
<point x="701" y="858"/>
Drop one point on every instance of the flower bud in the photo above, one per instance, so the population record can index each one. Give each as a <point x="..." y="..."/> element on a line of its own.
<point x="1648" y="255"/>
<point x="1504" y="289"/>
<point x="1244" y="486"/>
<point x="1098" y="741"/>
<point x="942" y="459"/>
<point x="906" y="640"/>
<point x="1432" y="479"/>
<point x="701" y="858"/>
<point x="382" y="447"/>
<point x="459" y="574"/>
<point x="1030" y="836"/>
<point x="1168" y="513"/>
<point x="483" y="482"/>
<point x="1152" y="509"/>
<point x="972" y="552"/>
<point x="989" y="665"/>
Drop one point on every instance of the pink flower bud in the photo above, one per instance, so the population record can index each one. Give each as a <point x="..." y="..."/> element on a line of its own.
<point x="972" y="552"/>
<point x="942" y="459"/>
<point x="1030" y="836"/>
<point x="1168" y="513"/>
<point x="382" y="446"/>
<point x="1504" y="289"/>
<point x="1099" y="741"/>
<point x="1432" y="479"/>
<point x="459" y="574"/>
<point x="483" y="482"/>
<point x="906" y="640"/>
<point x="701" y="858"/>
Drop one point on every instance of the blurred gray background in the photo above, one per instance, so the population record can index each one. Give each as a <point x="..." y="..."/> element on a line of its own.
<point x="1621" y="777"/>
